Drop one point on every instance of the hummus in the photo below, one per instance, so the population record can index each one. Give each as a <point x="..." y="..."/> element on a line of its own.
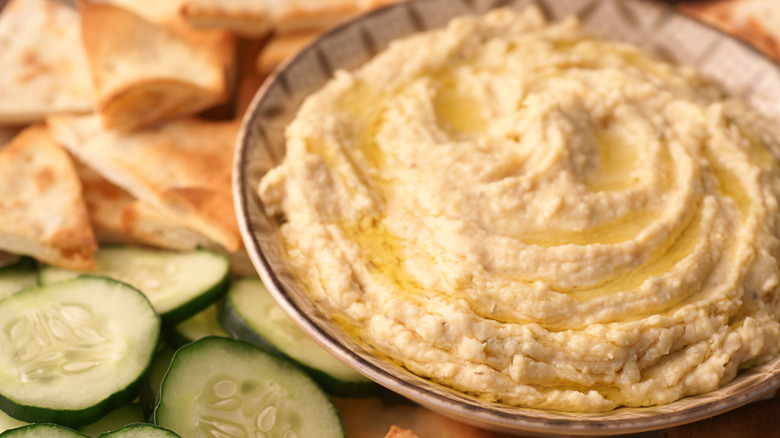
<point x="523" y="213"/>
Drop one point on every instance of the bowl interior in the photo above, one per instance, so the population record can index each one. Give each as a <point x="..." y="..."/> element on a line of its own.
<point x="655" y="27"/>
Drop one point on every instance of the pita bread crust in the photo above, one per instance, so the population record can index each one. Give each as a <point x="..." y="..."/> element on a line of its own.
<point x="42" y="211"/>
<point x="44" y="66"/>
<point x="117" y="217"/>
<point x="137" y="69"/>
<point x="153" y="227"/>
<point x="104" y="202"/>
<point x="182" y="168"/>
<point x="217" y="45"/>
<point x="397" y="432"/>
<point x="308" y="15"/>
<point x="255" y="17"/>
<point x="281" y="47"/>
<point x="250" y="18"/>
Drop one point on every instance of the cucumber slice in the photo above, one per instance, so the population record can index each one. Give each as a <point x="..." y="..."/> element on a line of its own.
<point x="150" y="388"/>
<point x="8" y="422"/>
<point x="251" y="314"/>
<point x="72" y="351"/>
<point x="17" y="276"/>
<point x="43" y="430"/>
<point x="141" y="430"/>
<point x="179" y="284"/>
<point x="202" y="324"/>
<point x="115" y="420"/>
<point x="221" y="387"/>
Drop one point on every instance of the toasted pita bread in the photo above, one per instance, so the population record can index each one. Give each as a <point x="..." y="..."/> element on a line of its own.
<point x="153" y="227"/>
<point x="44" y="67"/>
<point x="755" y="21"/>
<point x="144" y="73"/>
<point x="218" y="45"/>
<point x="181" y="168"/>
<point x="105" y="203"/>
<point x="295" y="15"/>
<point x="397" y="432"/>
<point x="257" y="17"/>
<point x="283" y="46"/>
<point x="250" y="18"/>
<point x="117" y="217"/>
<point x="42" y="211"/>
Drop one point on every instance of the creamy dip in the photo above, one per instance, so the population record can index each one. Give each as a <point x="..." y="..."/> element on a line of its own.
<point x="527" y="214"/>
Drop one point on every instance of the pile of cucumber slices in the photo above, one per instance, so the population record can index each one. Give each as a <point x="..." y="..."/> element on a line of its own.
<point x="159" y="343"/>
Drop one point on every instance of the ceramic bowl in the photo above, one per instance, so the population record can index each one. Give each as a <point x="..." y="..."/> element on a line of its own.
<point x="656" y="27"/>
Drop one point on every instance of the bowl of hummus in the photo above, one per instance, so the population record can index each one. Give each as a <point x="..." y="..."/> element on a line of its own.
<point x="545" y="217"/>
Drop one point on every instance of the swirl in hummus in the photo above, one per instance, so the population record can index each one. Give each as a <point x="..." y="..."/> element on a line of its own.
<point x="527" y="214"/>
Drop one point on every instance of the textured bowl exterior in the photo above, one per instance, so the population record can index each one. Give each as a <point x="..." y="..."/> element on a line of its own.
<point x="656" y="27"/>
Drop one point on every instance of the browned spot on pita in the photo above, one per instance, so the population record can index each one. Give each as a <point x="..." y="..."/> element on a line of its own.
<point x="44" y="179"/>
<point x="32" y="67"/>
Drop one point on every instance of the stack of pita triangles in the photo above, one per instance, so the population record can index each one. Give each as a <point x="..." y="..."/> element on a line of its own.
<point x="103" y="57"/>
<point x="144" y="73"/>
<point x="177" y="173"/>
<point x="120" y="83"/>
<point x="140" y="101"/>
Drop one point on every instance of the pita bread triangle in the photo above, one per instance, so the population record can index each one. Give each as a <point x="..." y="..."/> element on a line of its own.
<point x="182" y="168"/>
<point x="117" y="217"/>
<point x="42" y="211"/>
<point x="245" y="17"/>
<point x="44" y="67"/>
<point x="144" y="73"/>
<point x="255" y="18"/>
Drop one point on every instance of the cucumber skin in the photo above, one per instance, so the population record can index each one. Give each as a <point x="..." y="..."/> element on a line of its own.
<point x="88" y="415"/>
<point x="71" y="418"/>
<point x="202" y="301"/>
<point x="238" y="328"/>
<point x="34" y="430"/>
<point x="184" y="311"/>
<point x="133" y="429"/>
<point x="116" y="419"/>
<point x="150" y="387"/>
<point x="208" y="339"/>
<point x="175" y="338"/>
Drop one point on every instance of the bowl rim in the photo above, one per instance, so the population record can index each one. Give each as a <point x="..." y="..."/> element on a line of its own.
<point x="522" y="420"/>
